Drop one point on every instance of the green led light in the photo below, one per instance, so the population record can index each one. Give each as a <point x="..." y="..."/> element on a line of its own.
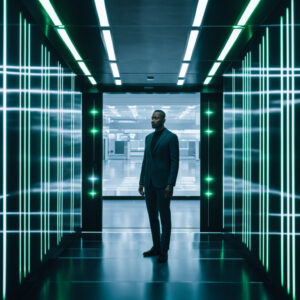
<point x="209" y="131"/>
<point x="92" y="193"/>
<point x="208" y="112"/>
<point x="209" y="179"/>
<point x="208" y="194"/>
<point x="94" y="130"/>
<point x="94" y="111"/>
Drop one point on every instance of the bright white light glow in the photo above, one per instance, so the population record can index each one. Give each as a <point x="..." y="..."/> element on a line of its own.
<point x="115" y="70"/>
<point x="207" y="80"/>
<point x="200" y="12"/>
<point x="101" y="11"/>
<point x="93" y="178"/>
<point x="233" y="37"/>
<point x="183" y="70"/>
<point x="248" y="12"/>
<point x="191" y="45"/>
<point x="109" y="45"/>
<point x="180" y="82"/>
<point x="84" y="68"/>
<point x="118" y="82"/>
<point x="214" y="69"/>
<point x="51" y="12"/>
<point x="92" y="80"/>
<point x="64" y="36"/>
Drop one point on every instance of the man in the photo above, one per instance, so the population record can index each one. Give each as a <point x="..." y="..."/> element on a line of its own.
<point x="158" y="177"/>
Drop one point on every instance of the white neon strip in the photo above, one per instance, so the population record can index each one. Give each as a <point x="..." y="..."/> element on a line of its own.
<point x="84" y="68"/>
<point x="65" y="37"/>
<point x="233" y="37"/>
<point x="248" y="12"/>
<point x="109" y="45"/>
<point x="4" y="149"/>
<point x="191" y="45"/>
<point x="214" y="69"/>
<point x="115" y="70"/>
<point x="201" y="7"/>
<point x="92" y="80"/>
<point x="268" y="148"/>
<point x="207" y="80"/>
<point x="118" y="82"/>
<point x="183" y="70"/>
<point x="51" y="12"/>
<point x="180" y="82"/>
<point x="36" y="74"/>
<point x="38" y="91"/>
<point x="101" y="11"/>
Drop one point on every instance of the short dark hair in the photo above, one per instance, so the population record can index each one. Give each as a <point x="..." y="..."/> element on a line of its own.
<point x="162" y="113"/>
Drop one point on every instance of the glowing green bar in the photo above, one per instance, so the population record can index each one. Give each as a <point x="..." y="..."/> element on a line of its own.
<point x="49" y="154"/>
<point x="42" y="152"/>
<point x="20" y="150"/>
<point x="57" y="154"/>
<point x="260" y="157"/>
<point x="293" y="151"/>
<point x="25" y="150"/>
<point x="29" y="142"/>
<point x="263" y="152"/>
<point x="288" y="149"/>
<point x="268" y="145"/>
<point x="281" y="154"/>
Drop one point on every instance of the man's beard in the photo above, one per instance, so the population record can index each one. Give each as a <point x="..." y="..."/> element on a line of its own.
<point x="157" y="125"/>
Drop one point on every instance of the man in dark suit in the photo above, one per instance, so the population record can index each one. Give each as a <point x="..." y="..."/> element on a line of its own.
<point x="158" y="177"/>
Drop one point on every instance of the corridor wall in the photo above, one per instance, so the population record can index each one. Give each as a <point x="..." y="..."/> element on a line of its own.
<point x="261" y="146"/>
<point x="40" y="147"/>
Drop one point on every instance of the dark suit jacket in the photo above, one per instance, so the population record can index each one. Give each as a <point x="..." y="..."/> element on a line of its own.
<point x="161" y="167"/>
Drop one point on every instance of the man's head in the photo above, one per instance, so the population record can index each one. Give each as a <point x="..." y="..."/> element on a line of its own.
<point x="158" y="119"/>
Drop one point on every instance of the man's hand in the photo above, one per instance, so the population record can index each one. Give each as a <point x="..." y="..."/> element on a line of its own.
<point x="141" y="190"/>
<point x="168" y="191"/>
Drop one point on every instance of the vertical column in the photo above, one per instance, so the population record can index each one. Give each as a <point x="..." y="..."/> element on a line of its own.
<point x="211" y="161"/>
<point x="92" y="105"/>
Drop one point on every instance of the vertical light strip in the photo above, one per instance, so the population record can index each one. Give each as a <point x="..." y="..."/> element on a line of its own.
<point x="250" y="150"/>
<point x="48" y="151"/>
<point x="233" y="151"/>
<point x="263" y="151"/>
<point x="42" y="154"/>
<point x="4" y="258"/>
<point x="57" y="153"/>
<point x="260" y="157"/>
<point x="29" y="146"/>
<point x="268" y="146"/>
<point x="288" y="147"/>
<point x="281" y="156"/>
<point x="243" y="151"/>
<point x="20" y="148"/>
<point x="293" y="152"/>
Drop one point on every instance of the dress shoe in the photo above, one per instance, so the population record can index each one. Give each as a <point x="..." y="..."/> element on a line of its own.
<point x="152" y="252"/>
<point x="162" y="258"/>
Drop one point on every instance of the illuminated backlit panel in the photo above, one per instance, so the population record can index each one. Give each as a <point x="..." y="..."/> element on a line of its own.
<point x="268" y="83"/>
<point x="40" y="150"/>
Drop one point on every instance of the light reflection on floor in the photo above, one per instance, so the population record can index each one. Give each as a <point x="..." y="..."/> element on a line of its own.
<point x="121" y="178"/>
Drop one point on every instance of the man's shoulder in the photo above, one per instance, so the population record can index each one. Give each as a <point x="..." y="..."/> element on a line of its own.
<point x="171" y="133"/>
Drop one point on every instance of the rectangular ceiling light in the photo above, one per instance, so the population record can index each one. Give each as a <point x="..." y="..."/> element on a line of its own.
<point x="180" y="82"/>
<point x="248" y="12"/>
<point x="51" y="12"/>
<point x="191" y="45"/>
<point x="115" y="70"/>
<point x="84" y="68"/>
<point x="214" y="69"/>
<point x="207" y="80"/>
<point x="200" y="13"/>
<point x="230" y="42"/>
<point x="109" y="45"/>
<point x="101" y="11"/>
<point x="183" y="70"/>
<point x="92" y="80"/>
<point x="118" y="82"/>
<point x="65" y="37"/>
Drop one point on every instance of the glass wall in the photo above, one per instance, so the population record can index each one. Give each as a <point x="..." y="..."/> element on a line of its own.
<point x="261" y="146"/>
<point x="127" y="121"/>
<point x="40" y="148"/>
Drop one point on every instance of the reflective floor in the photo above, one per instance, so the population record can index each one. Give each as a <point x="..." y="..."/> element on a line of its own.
<point x="121" y="178"/>
<point x="133" y="214"/>
<point x="111" y="267"/>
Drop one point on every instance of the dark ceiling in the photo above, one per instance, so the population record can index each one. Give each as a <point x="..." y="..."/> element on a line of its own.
<point x="150" y="37"/>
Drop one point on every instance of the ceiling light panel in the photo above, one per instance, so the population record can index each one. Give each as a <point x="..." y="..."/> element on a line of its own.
<point x="183" y="70"/>
<point x="118" y="82"/>
<point x="230" y="42"/>
<point x="201" y="7"/>
<point x="101" y="11"/>
<point x="180" y="82"/>
<point x="191" y="45"/>
<point x="84" y="68"/>
<point x="115" y="70"/>
<point x="51" y="12"/>
<point x="109" y="45"/>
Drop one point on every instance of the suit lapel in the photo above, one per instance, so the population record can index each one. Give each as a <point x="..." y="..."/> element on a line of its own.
<point x="160" y="139"/>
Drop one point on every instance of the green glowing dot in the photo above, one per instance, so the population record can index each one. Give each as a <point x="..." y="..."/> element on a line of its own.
<point x="208" y="112"/>
<point x="208" y="131"/>
<point x="94" y="130"/>
<point x="94" y="111"/>
<point x="92" y="193"/>
<point x="209" y="179"/>
<point x="208" y="194"/>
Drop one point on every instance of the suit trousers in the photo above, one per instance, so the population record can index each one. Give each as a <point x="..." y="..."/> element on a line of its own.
<point x="157" y="203"/>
